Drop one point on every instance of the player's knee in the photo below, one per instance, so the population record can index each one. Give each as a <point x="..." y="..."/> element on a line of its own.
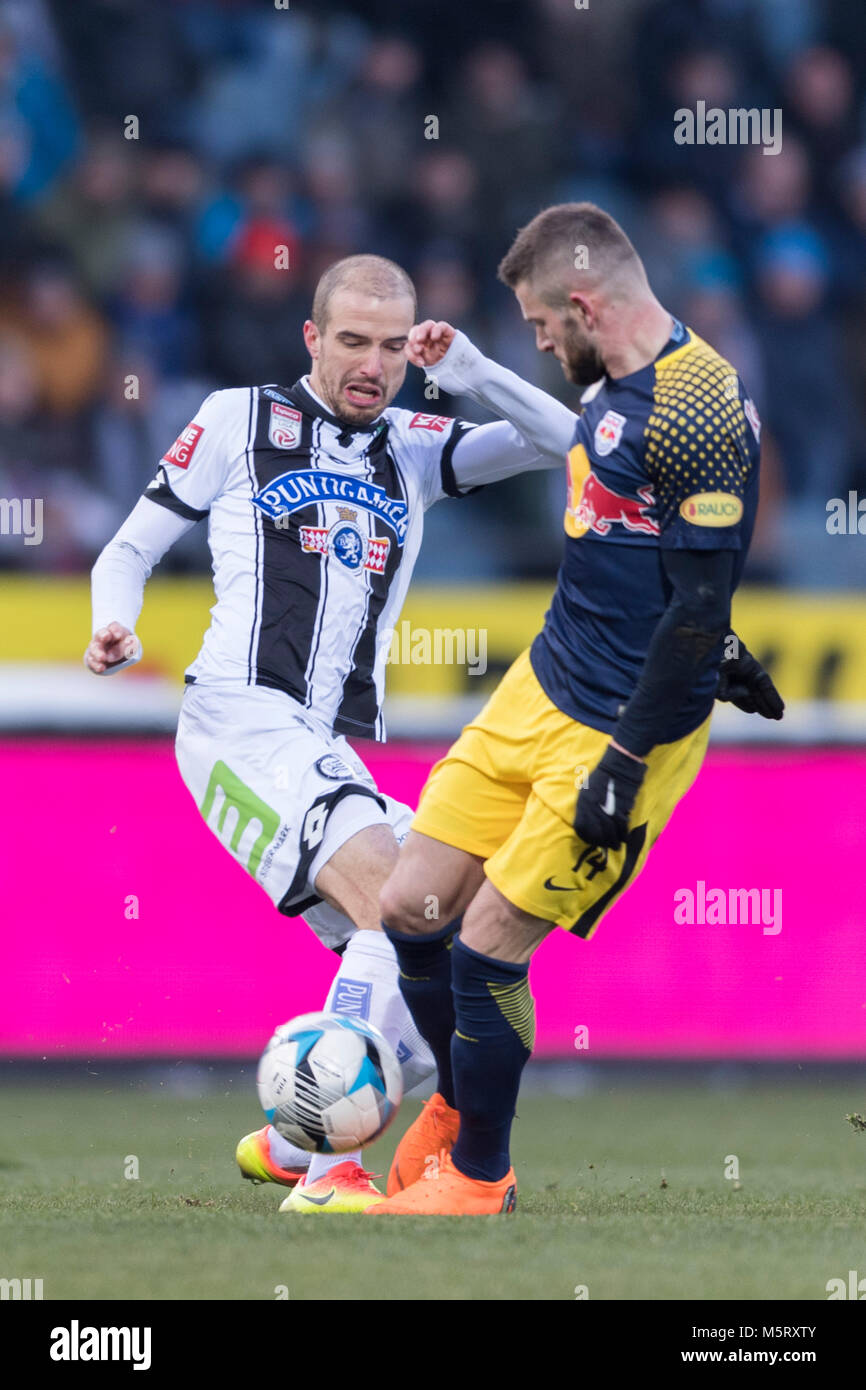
<point x="400" y="907"/>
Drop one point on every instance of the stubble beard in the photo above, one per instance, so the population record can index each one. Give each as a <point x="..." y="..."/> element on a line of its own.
<point x="583" y="361"/>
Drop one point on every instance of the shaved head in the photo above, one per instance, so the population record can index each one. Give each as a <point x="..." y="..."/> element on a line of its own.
<point x="371" y="276"/>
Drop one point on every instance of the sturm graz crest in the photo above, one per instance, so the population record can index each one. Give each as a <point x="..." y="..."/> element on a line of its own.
<point x="335" y="768"/>
<point x="347" y="544"/>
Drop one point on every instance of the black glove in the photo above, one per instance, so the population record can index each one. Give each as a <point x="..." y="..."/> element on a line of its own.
<point x="606" y="799"/>
<point x="744" y="682"/>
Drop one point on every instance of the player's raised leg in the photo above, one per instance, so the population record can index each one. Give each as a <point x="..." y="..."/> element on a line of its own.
<point x="366" y="982"/>
<point x="321" y="843"/>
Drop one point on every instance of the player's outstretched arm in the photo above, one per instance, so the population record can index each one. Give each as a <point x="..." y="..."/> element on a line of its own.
<point x="189" y="476"/>
<point x="117" y="584"/>
<point x="460" y="368"/>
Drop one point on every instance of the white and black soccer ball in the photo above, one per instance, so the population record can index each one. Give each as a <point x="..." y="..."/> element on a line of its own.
<point x="329" y="1082"/>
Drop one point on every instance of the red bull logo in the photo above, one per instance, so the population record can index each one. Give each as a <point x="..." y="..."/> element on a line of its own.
<point x="600" y="508"/>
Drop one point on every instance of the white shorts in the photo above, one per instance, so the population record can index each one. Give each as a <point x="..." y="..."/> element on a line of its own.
<point x="281" y="791"/>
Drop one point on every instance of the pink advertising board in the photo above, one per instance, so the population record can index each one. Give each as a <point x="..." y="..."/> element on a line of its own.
<point x="95" y="833"/>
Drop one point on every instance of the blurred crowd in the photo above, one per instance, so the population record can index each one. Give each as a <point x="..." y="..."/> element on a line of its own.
<point x="153" y="156"/>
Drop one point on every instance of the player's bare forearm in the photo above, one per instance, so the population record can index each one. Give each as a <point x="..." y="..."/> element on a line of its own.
<point x="619" y="749"/>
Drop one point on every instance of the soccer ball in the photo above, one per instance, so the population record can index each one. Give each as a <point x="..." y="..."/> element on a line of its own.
<point x="329" y="1083"/>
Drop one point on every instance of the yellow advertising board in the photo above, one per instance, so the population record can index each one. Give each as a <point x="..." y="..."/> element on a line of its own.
<point x="449" y="640"/>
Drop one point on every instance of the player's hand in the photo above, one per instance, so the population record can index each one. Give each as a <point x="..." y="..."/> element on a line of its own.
<point x="428" y="342"/>
<point x="112" y="649"/>
<point x="744" y="682"/>
<point x="606" y="799"/>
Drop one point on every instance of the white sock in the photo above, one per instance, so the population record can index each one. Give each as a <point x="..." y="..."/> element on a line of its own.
<point x="285" y="1153"/>
<point x="366" y="985"/>
<point x="320" y="1164"/>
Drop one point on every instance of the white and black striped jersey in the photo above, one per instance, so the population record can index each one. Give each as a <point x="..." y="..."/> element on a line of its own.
<point x="314" y="529"/>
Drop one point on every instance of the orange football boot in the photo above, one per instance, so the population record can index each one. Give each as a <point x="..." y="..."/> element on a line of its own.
<point x="434" y="1131"/>
<point x="445" y="1191"/>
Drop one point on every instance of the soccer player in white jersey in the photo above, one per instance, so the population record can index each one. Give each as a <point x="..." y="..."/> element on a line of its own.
<point x="314" y="496"/>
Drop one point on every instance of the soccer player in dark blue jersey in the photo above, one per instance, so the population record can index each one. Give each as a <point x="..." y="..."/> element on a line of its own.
<point x="546" y="808"/>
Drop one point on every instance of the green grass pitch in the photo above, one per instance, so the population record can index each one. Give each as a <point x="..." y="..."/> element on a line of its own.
<point x="621" y="1189"/>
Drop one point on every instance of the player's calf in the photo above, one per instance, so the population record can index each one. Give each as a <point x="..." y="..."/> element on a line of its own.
<point x="494" y="1028"/>
<point x="421" y="906"/>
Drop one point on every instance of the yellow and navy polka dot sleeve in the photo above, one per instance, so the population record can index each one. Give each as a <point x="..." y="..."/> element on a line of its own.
<point x="700" y="450"/>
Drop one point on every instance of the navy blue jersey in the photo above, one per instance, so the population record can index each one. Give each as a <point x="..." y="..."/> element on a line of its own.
<point x="665" y="458"/>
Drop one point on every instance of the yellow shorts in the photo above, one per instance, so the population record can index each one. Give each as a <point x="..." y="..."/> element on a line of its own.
<point x="507" y="790"/>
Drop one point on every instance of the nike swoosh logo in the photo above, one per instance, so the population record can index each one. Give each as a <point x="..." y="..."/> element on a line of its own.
<point x="319" y="1201"/>
<point x="558" y="887"/>
<point x="609" y="806"/>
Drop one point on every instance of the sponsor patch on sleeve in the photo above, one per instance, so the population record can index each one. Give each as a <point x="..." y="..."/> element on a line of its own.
<point x="753" y="418"/>
<point x="438" y="423"/>
<point x="183" y="448"/>
<point x="335" y="768"/>
<point x="712" y="509"/>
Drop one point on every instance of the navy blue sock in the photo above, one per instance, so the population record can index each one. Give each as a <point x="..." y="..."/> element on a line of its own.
<point x="425" y="983"/>
<point x="493" y="1038"/>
